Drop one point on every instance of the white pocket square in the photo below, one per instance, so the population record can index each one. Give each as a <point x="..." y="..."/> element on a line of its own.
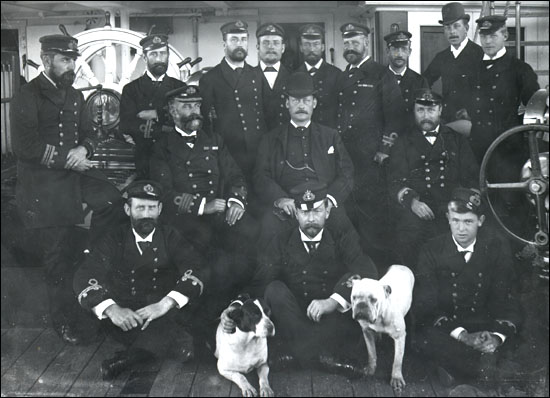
<point x="330" y="150"/>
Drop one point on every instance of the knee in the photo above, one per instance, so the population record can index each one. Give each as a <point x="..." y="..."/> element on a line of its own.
<point x="276" y="292"/>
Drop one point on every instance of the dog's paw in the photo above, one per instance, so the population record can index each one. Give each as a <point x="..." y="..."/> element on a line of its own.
<point x="249" y="391"/>
<point x="397" y="383"/>
<point x="266" y="392"/>
<point x="370" y="370"/>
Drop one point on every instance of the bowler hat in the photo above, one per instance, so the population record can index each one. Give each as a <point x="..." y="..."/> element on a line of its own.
<point x="300" y="85"/>
<point x="452" y="12"/>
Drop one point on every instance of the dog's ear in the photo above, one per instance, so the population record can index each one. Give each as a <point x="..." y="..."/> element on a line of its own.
<point x="243" y="297"/>
<point x="387" y="289"/>
<point x="265" y="307"/>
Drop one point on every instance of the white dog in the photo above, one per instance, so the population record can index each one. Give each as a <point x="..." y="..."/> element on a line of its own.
<point x="381" y="306"/>
<point x="240" y="352"/>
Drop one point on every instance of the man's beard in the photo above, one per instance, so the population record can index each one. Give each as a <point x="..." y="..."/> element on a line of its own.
<point x="427" y="125"/>
<point x="238" y="54"/>
<point x="352" y="56"/>
<point x="158" y="69"/>
<point x="65" y="80"/>
<point x="312" y="58"/>
<point x="192" y="122"/>
<point x="144" y="226"/>
<point x="312" y="230"/>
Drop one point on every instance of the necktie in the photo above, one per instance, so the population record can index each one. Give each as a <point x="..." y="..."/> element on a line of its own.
<point x="312" y="246"/>
<point x="351" y="71"/>
<point x="239" y="70"/>
<point x="189" y="139"/>
<point x="398" y="77"/>
<point x="270" y="69"/>
<point x="156" y="83"/>
<point x="313" y="71"/>
<point x="301" y="130"/>
<point x="144" y="246"/>
<point x="489" y="62"/>
<point x="467" y="255"/>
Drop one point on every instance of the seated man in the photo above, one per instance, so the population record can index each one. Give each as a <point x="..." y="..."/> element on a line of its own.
<point x="204" y="190"/>
<point x="425" y="166"/>
<point x="135" y="276"/>
<point x="465" y="311"/>
<point x="305" y="277"/>
<point x="298" y="152"/>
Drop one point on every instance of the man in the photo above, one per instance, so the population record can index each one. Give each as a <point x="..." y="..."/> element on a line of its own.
<point x="142" y="283"/>
<point x="456" y="65"/>
<point x="142" y="113"/>
<point x="398" y="52"/>
<point x="54" y="141"/>
<point x="305" y="277"/>
<point x="369" y="100"/>
<point x="325" y="76"/>
<point x="204" y="190"/>
<point x="425" y="166"/>
<point x="298" y="152"/>
<point x="232" y="92"/>
<point x="271" y="46"/>
<point x="464" y="305"/>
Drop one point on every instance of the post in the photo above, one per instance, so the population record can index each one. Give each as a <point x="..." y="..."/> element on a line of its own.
<point x="518" y="29"/>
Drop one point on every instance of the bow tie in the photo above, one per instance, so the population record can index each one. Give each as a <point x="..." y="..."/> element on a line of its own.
<point x="270" y="69"/>
<point x="300" y="130"/>
<point x="156" y="83"/>
<point x="313" y="71"/>
<point x="189" y="139"/>
<point x="239" y="70"/>
<point x="144" y="246"/>
<point x="352" y="71"/>
<point x="430" y="133"/>
<point x="398" y="77"/>
<point x="312" y="246"/>
<point x="467" y="254"/>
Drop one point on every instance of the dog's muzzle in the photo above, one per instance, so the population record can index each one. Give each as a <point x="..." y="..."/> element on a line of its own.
<point x="361" y="311"/>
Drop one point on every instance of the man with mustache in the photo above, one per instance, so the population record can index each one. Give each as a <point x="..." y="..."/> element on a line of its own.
<point x="369" y="119"/>
<point x="298" y="152"/>
<point x="305" y="277"/>
<point x="205" y="192"/>
<point x="325" y="76"/>
<point x="142" y="113"/>
<point x="271" y="46"/>
<point x="456" y="65"/>
<point x="232" y="98"/>
<point x="54" y="141"/>
<point x="398" y="52"/>
<point x="142" y="282"/>
<point x="425" y="166"/>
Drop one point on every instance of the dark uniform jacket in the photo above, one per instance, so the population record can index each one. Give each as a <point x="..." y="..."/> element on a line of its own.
<point x="337" y="260"/>
<point x="237" y="104"/>
<point x="329" y="158"/>
<point x="45" y="128"/>
<point x="274" y="99"/>
<point x="116" y="270"/>
<point x="410" y="82"/>
<point x="432" y="172"/>
<point x="497" y="93"/>
<point x="457" y="77"/>
<point x="325" y="82"/>
<point x="140" y="95"/>
<point x="476" y="295"/>
<point x="369" y="106"/>
<point x="206" y="171"/>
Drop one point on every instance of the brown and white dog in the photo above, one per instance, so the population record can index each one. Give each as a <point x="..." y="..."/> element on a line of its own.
<point x="381" y="306"/>
<point x="244" y="350"/>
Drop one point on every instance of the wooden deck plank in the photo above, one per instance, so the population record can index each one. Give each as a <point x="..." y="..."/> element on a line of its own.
<point x="64" y="370"/>
<point x="208" y="382"/>
<point x="5" y="330"/>
<point x="330" y="385"/>
<point x="14" y="343"/>
<point x="174" y="379"/>
<point x="252" y="378"/>
<point x="29" y="367"/>
<point x="89" y="383"/>
<point x="416" y="376"/>
<point x="364" y="387"/>
<point x="291" y="383"/>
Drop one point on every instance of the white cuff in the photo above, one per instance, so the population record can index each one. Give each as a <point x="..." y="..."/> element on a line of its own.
<point x="455" y="333"/>
<point x="99" y="309"/>
<point x="179" y="298"/>
<point x="401" y="193"/>
<point x="201" y="206"/>
<point x="344" y="305"/>
<point x="230" y="200"/>
<point x="334" y="202"/>
<point x="502" y="337"/>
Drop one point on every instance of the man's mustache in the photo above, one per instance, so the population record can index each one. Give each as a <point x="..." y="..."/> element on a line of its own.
<point x="347" y="52"/>
<point x="302" y="111"/>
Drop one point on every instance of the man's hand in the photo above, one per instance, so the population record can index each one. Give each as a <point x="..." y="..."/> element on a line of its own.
<point x="287" y="205"/>
<point x="154" y="311"/>
<point x="228" y="324"/>
<point x="124" y="318"/>
<point x="422" y="210"/>
<point x="150" y="114"/>
<point x="234" y="213"/>
<point x="481" y="341"/>
<point x="318" y="308"/>
<point x="462" y="114"/>
<point x="76" y="156"/>
<point x="184" y="202"/>
<point x="86" y="164"/>
<point x="214" y="206"/>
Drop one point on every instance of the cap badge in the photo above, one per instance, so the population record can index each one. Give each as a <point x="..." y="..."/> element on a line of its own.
<point x="156" y="40"/>
<point x="271" y="28"/>
<point x="239" y="24"/>
<point x="72" y="45"/>
<point x="486" y="24"/>
<point x="310" y="30"/>
<point x="476" y="200"/>
<point x="308" y="196"/>
<point x="402" y="36"/>
<point x="149" y="189"/>
<point x="350" y="27"/>
<point x="191" y="90"/>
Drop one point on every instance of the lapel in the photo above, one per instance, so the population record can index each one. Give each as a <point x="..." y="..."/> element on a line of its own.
<point x="326" y="249"/>
<point x="452" y="257"/>
<point x="317" y="156"/>
<point x="50" y="92"/>
<point x="296" y="250"/>
<point x="177" y="147"/>
<point x="420" y="142"/>
<point x="282" y="143"/>
<point x="280" y="82"/>
<point x="131" y="252"/>
<point x="229" y="74"/>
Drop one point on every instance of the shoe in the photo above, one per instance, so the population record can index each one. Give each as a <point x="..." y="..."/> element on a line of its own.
<point x="282" y="361"/>
<point x="186" y="355"/>
<point x="68" y="334"/>
<point x="445" y="378"/>
<point x="346" y="368"/>
<point x="111" y="368"/>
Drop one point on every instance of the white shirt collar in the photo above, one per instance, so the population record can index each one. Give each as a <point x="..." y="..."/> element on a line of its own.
<point x="461" y="249"/>
<point x="317" y="65"/>
<point x="277" y="66"/>
<point x="360" y="63"/>
<point x="183" y="133"/>
<point x="153" y="78"/>
<point x="436" y="129"/>
<point x="235" y="66"/>
<point x="395" y="73"/>
<point x="295" y="125"/>
<point x="50" y="80"/>
<point x="456" y="51"/>
<point x="306" y="238"/>
<point x="498" y="55"/>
